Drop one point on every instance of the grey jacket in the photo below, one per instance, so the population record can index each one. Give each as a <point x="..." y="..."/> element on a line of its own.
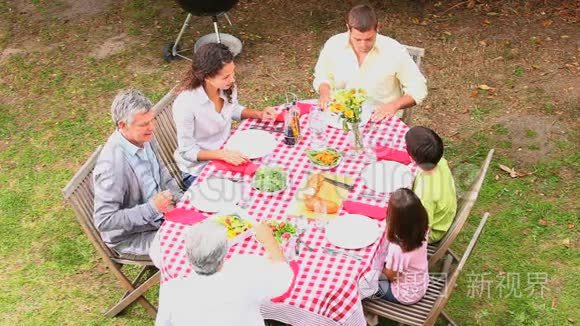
<point x="126" y="219"/>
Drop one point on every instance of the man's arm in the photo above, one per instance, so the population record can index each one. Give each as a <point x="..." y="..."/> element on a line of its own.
<point x="413" y="84"/>
<point x="412" y="81"/>
<point x="323" y="75"/>
<point x="110" y="187"/>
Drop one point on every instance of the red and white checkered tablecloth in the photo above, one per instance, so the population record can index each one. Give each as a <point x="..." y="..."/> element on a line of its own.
<point x="327" y="287"/>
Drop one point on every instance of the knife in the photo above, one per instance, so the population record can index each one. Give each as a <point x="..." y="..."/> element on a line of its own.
<point x="279" y="130"/>
<point x="339" y="184"/>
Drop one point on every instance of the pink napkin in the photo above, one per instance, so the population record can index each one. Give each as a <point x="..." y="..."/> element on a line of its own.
<point x="390" y="154"/>
<point x="184" y="216"/>
<point x="294" y="266"/>
<point x="248" y="168"/>
<point x="372" y="211"/>
<point x="304" y="108"/>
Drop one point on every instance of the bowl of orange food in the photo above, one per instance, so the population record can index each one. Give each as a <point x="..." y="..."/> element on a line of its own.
<point x="325" y="158"/>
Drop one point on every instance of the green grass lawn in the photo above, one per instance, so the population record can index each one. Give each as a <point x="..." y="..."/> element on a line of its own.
<point x="54" y="110"/>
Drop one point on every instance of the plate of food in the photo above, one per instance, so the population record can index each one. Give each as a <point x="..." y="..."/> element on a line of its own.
<point x="319" y="196"/>
<point x="270" y="179"/>
<point x="324" y="158"/>
<point x="283" y="231"/>
<point x="238" y="224"/>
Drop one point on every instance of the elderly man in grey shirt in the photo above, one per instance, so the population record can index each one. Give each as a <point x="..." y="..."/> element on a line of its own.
<point x="132" y="187"/>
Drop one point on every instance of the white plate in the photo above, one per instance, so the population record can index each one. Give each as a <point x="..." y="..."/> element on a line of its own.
<point x="215" y="194"/>
<point x="253" y="143"/>
<point x="387" y="176"/>
<point x="243" y="214"/>
<point x="335" y="121"/>
<point x="353" y="231"/>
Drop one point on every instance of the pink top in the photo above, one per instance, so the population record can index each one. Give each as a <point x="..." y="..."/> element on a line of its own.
<point x="413" y="276"/>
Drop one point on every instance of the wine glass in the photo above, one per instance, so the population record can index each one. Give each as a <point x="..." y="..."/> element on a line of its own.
<point x="320" y="210"/>
<point x="317" y="122"/>
<point x="370" y="142"/>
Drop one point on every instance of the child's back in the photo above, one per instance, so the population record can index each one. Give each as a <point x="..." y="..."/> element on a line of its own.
<point x="436" y="189"/>
<point x="434" y="183"/>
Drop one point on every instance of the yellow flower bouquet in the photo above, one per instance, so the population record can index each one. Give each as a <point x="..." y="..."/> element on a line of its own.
<point x="348" y="104"/>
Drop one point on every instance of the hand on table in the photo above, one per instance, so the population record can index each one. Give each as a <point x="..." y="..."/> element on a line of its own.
<point x="386" y="110"/>
<point x="233" y="157"/>
<point x="264" y="233"/>
<point x="269" y="114"/>
<point x="323" y="101"/>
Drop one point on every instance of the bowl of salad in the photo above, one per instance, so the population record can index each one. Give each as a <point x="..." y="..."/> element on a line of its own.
<point x="325" y="158"/>
<point x="283" y="231"/>
<point x="238" y="224"/>
<point x="270" y="179"/>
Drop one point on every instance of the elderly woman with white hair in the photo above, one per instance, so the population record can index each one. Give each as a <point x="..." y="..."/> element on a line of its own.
<point x="133" y="188"/>
<point x="224" y="293"/>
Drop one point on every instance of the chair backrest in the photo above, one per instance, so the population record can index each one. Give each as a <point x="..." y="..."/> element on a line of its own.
<point x="166" y="134"/>
<point x="451" y="280"/>
<point x="417" y="54"/>
<point x="79" y="192"/>
<point x="467" y="201"/>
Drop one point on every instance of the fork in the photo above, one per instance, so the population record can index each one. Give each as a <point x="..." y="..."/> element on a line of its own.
<point x="335" y="252"/>
<point x="373" y="194"/>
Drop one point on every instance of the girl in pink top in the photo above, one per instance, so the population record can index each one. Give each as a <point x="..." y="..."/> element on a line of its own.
<point x="406" y="261"/>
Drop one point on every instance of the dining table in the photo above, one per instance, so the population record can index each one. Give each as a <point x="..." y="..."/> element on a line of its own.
<point x="328" y="287"/>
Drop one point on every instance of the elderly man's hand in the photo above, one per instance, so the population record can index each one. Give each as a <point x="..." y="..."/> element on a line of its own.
<point x="386" y="110"/>
<point x="264" y="233"/>
<point x="269" y="114"/>
<point x="163" y="201"/>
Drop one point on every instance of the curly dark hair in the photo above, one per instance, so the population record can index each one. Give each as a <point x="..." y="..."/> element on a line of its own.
<point x="208" y="60"/>
<point x="407" y="220"/>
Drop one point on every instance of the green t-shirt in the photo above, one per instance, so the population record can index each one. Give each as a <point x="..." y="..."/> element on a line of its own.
<point x="437" y="192"/>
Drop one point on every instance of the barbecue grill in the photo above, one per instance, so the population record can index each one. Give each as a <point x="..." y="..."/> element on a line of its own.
<point x="213" y="9"/>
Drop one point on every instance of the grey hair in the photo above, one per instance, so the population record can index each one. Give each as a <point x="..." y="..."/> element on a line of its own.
<point x="206" y="244"/>
<point x="127" y="103"/>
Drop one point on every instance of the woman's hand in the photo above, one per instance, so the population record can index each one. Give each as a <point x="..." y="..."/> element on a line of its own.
<point x="269" y="114"/>
<point x="233" y="157"/>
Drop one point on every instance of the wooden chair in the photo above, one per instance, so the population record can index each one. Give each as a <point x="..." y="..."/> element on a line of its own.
<point x="417" y="55"/>
<point x="80" y="194"/>
<point x="466" y="203"/>
<point x="430" y="308"/>
<point x="166" y="134"/>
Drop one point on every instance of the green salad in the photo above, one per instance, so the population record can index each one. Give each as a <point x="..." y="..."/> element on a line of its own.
<point x="282" y="231"/>
<point x="270" y="179"/>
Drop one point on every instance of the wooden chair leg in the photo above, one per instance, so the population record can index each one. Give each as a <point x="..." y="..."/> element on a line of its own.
<point x="137" y="280"/>
<point x="453" y="255"/>
<point x="447" y="264"/>
<point x="137" y="295"/>
<point x="447" y="319"/>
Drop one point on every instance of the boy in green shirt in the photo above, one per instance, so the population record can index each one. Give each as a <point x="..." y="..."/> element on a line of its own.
<point x="434" y="183"/>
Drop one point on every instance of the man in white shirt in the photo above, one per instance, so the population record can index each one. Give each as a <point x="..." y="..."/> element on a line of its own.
<point x="224" y="293"/>
<point x="362" y="58"/>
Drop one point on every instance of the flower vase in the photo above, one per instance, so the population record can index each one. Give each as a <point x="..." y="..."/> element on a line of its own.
<point x="356" y="143"/>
